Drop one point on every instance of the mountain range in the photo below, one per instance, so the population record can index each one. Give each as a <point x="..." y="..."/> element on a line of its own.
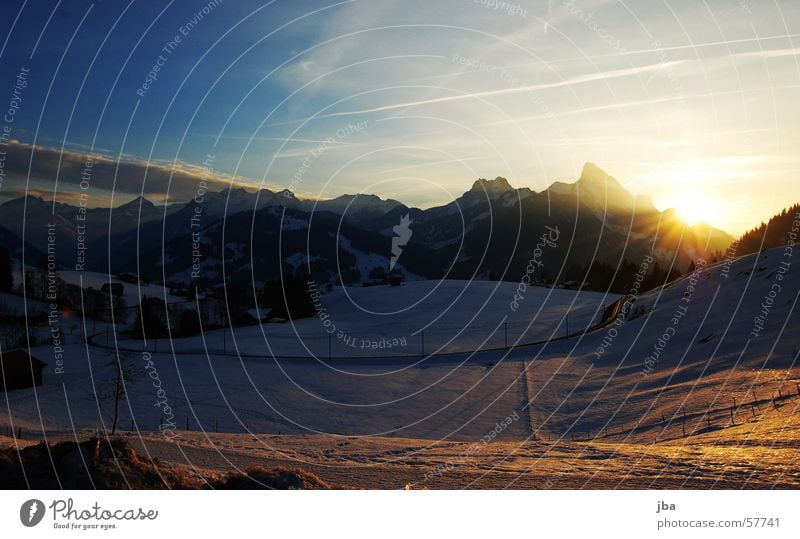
<point x="490" y="232"/>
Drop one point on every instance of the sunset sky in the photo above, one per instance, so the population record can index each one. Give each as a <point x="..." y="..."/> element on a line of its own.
<point x="692" y="102"/>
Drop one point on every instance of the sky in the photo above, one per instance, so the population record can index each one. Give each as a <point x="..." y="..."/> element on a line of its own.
<point x="691" y="102"/>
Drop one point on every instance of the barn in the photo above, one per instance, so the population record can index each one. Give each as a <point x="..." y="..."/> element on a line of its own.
<point x="114" y="289"/>
<point x="19" y="370"/>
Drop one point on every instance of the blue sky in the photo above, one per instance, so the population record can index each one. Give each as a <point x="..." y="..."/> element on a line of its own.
<point x="693" y="103"/>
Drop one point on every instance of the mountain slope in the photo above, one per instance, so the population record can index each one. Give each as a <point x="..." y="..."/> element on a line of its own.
<point x="778" y="231"/>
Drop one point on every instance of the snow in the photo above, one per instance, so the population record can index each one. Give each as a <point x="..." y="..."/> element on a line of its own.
<point x="452" y="396"/>
<point x="449" y="316"/>
<point x="16" y="305"/>
<point x="558" y="390"/>
<point x="293" y="223"/>
<point x="132" y="291"/>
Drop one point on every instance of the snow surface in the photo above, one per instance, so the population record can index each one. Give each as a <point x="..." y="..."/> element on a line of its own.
<point x="558" y="390"/>
<point x="442" y="316"/>
<point x="132" y="291"/>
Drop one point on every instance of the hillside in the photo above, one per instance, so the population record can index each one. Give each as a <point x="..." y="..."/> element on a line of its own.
<point x="774" y="233"/>
<point x="717" y="409"/>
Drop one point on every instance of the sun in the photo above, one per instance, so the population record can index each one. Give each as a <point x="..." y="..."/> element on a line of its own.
<point x="694" y="209"/>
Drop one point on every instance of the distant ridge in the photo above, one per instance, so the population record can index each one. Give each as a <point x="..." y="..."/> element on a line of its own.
<point x="488" y="232"/>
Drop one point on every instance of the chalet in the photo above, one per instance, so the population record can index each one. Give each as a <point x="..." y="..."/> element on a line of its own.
<point x="253" y="316"/>
<point x="259" y="314"/>
<point x="19" y="370"/>
<point x="187" y="293"/>
<point x="576" y="285"/>
<point x="113" y="289"/>
<point x="395" y="279"/>
<point x="127" y="277"/>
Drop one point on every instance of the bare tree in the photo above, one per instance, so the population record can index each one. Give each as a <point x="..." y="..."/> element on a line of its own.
<point x="119" y="386"/>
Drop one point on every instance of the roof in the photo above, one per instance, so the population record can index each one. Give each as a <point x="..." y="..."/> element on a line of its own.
<point x="21" y="355"/>
<point x="259" y="313"/>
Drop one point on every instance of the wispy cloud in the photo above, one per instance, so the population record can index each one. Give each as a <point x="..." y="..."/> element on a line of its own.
<point x="580" y="79"/>
<point x="104" y="176"/>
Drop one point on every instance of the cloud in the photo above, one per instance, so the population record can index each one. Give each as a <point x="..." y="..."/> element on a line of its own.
<point x="103" y="176"/>
<point x="528" y="88"/>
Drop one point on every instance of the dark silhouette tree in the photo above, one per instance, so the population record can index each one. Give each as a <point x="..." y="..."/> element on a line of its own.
<point x="6" y="274"/>
<point x="377" y="273"/>
<point x="774" y="233"/>
<point x="119" y="386"/>
<point x="188" y="323"/>
<point x="290" y="299"/>
<point x="151" y="319"/>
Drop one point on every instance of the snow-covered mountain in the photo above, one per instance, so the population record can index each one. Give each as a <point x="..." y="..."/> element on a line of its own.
<point x="602" y="193"/>
<point x="490" y="231"/>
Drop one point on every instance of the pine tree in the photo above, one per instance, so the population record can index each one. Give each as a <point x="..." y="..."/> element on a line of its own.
<point x="6" y="274"/>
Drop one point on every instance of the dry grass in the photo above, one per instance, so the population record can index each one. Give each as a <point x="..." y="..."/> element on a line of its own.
<point x="113" y="464"/>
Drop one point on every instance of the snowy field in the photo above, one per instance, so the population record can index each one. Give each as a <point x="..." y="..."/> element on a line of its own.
<point x="415" y="319"/>
<point x="132" y="292"/>
<point x="711" y="386"/>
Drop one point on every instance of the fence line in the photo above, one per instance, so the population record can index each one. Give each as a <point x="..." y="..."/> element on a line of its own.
<point x="699" y="421"/>
<point x="497" y="339"/>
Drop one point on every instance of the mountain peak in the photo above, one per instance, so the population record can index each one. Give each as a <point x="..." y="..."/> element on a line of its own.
<point x="593" y="174"/>
<point x="645" y="203"/>
<point x="361" y="197"/>
<point x="358" y="203"/>
<point x="29" y="199"/>
<point x="497" y="185"/>
<point x="137" y="202"/>
<point x="234" y="191"/>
